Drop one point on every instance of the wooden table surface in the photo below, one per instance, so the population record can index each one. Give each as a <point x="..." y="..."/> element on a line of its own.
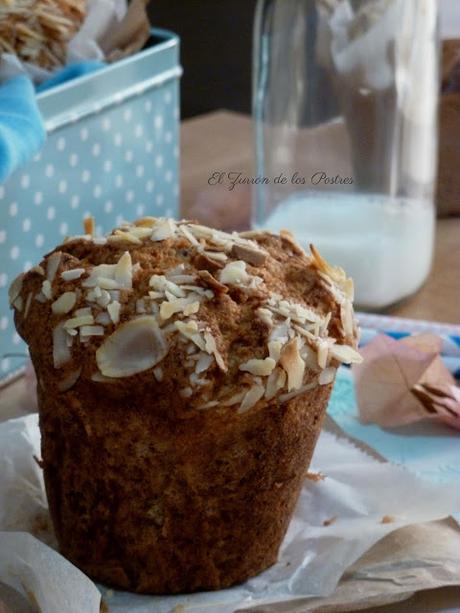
<point x="222" y="142"/>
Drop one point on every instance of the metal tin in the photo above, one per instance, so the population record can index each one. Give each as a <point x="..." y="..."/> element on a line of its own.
<point x="112" y="151"/>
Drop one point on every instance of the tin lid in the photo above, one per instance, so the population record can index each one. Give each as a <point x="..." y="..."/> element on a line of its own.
<point x="132" y="76"/>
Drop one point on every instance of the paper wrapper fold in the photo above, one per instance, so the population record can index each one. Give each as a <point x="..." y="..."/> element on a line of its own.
<point x="359" y="502"/>
<point x="403" y="381"/>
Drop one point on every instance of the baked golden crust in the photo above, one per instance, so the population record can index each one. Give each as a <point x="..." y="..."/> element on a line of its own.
<point x="180" y="403"/>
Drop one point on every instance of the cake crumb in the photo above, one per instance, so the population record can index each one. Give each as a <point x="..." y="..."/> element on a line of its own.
<point x="179" y="608"/>
<point x="387" y="519"/>
<point x="328" y="522"/>
<point x="315" y="476"/>
<point x="104" y="607"/>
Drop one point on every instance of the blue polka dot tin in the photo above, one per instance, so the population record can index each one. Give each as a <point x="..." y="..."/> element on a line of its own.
<point x="112" y="152"/>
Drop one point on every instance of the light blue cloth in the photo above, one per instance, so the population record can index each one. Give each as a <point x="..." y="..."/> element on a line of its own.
<point x="22" y="132"/>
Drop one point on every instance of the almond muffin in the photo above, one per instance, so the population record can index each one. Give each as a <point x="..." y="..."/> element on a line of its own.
<point x="183" y="374"/>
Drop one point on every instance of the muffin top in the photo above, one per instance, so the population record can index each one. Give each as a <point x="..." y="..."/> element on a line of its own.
<point x="217" y="319"/>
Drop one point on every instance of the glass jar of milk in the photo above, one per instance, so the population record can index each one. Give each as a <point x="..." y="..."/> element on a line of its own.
<point x="345" y="108"/>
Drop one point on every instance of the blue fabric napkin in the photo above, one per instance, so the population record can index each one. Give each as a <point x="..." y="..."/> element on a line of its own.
<point x="22" y="132"/>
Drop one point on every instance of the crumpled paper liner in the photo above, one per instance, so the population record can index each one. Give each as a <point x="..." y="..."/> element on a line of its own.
<point x="338" y="519"/>
<point x="109" y="32"/>
<point x="404" y="381"/>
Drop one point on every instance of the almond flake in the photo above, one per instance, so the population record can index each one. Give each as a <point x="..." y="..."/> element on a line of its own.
<point x="71" y="275"/>
<point x="186" y="392"/>
<point x="113" y="310"/>
<point x="211" y="347"/>
<point x="61" y="352"/>
<point x="83" y="311"/>
<point x="298" y="392"/>
<point x="103" y="319"/>
<point x="76" y="322"/>
<point x="91" y="331"/>
<point x="345" y="354"/>
<point x="274" y="349"/>
<point x="327" y="376"/>
<point x="163" y="229"/>
<point x="38" y="269"/>
<point x="203" y="363"/>
<point x="275" y="382"/>
<point x="252" y="396"/>
<point x="235" y="399"/>
<point x="104" y="298"/>
<point x="18" y="303"/>
<point x="251" y="255"/>
<point x="188" y="235"/>
<point x="47" y="290"/>
<point x="64" y="303"/>
<point x="258" y="367"/>
<point x="52" y="265"/>
<point x="89" y="225"/>
<point x="189" y="330"/>
<point x="266" y="316"/>
<point x="134" y="347"/>
<point x="158" y="373"/>
<point x="234" y="273"/>
<point x="145" y="222"/>
<point x="293" y="364"/>
<point x="15" y="288"/>
<point x="125" y="236"/>
<point x="220" y="257"/>
<point x="322" y="352"/>
<point x="28" y="304"/>
<point x="123" y="273"/>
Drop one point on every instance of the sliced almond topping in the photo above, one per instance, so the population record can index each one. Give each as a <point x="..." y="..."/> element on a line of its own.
<point x="163" y="229"/>
<point x="211" y="281"/>
<point x="266" y="316"/>
<point x="345" y="354"/>
<point x="293" y="364"/>
<point x="15" y="288"/>
<point x="30" y="295"/>
<point x="64" y="303"/>
<point x="234" y="273"/>
<point x="188" y="235"/>
<point x="71" y="275"/>
<point x="158" y="373"/>
<point x="123" y="272"/>
<point x="134" y="347"/>
<point x="104" y="298"/>
<point x="302" y="390"/>
<point x="274" y="349"/>
<point x="18" y="303"/>
<point x="61" y="351"/>
<point x="288" y="237"/>
<point x="52" y="265"/>
<point x="140" y="232"/>
<point x="189" y="330"/>
<point x="327" y="376"/>
<point x="103" y="319"/>
<point x="124" y="235"/>
<point x="257" y="367"/>
<point x="235" y="399"/>
<point x="275" y="382"/>
<point x="346" y="318"/>
<point x="69" y="381"/>
<point x="145" y="222"/>
<point x="203" y="363"/>
<point x="251" y="255"/>
<point x="76" y="322"/>
<point x="252" y="396"/>
<point x="216" y="255"/>
<point x="91" y="331"/>
<point x="186" y="392"/>
<point x="83" y="311"/>
<point x="211" y="347"/>
<point x="322" y="352"/>
<point x="38" y="269"/>
<point x="47" y="290"/>
<point x="113" y="310"/>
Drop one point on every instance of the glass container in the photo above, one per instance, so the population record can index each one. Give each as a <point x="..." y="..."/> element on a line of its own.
<point x="345" y="106"/>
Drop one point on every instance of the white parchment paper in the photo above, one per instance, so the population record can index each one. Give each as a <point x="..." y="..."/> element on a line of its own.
<point x="353" y="498"/>
<point x="100" y="17"/>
